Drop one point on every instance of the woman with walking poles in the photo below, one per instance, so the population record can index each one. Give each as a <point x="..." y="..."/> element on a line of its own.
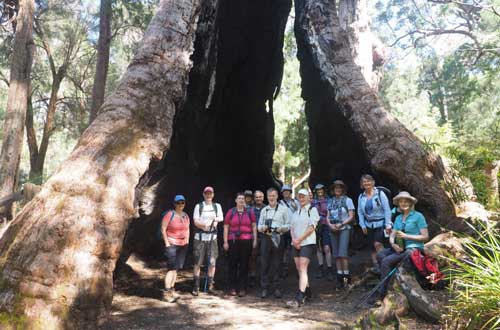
<point x="410" y="232"/>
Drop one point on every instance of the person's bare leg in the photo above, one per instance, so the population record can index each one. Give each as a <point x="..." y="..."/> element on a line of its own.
<point x="303" y="277"/>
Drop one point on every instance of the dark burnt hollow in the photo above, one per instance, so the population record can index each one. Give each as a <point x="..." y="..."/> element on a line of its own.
<point x="224" y="135"/>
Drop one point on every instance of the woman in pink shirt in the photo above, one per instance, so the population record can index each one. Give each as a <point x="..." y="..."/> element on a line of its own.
<point x="175" y="232"/>
<point x="240" y="237"/>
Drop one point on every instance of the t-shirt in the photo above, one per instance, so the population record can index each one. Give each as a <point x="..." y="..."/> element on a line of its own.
<point x="177" y="228"/>
<point x="257" y="211"/>
<point x="412" y="226"/>
<point x="339" y="210"/>
<point x="240" y="221"/>
<point x="322" y="206"/>
<point x="291" y="205"/>
<point x="301" y="220"/>
<point x="208" y="214"/>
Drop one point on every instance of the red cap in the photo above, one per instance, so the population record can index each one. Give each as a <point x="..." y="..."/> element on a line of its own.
<point x="208" y="189"/>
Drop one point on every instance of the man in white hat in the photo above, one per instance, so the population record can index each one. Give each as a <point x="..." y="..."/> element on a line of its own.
<point x="409" y="232"/>
<point x="303" y="230"/>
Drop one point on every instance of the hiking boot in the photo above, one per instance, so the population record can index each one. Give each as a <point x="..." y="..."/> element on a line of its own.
<point x="277" y="293"/>
<point x="376" y="269"/>
<point x="308" y="293"/>
<point x="168" y="296"/>
<point x="211" y="289"/>
<point x="329" y="275"/>
<point x="292" y="304"/>
<point x="242" y="293"/>
<point x="348" y="279"/>
<point x="264" y="293"/>
<point x="175" y="294"/>
<point x="320" y="273"/>
<point x="301" y="297"/>
<point x="196" y="287"/>
<point x="339" y="285"/>
<point x="232" y="292"/>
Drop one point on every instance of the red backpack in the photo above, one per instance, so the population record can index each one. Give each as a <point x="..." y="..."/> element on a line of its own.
<point x="427" y="266"/>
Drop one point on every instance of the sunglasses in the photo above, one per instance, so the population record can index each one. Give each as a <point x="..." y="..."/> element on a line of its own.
<point x="181" y="203"/>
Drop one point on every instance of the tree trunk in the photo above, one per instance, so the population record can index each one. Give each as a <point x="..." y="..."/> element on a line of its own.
<point x="491" y="170"/>
<point x="58" y="255"/>
<point x="17" y="102"/>
<point x="391" y="152"/>
<point x="31" y="136"/>
<point x="36" y="171"/>
<point x="103" y="45"/>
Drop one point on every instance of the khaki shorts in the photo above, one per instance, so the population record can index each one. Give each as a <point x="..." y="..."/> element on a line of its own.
<point x="200" y="252"/>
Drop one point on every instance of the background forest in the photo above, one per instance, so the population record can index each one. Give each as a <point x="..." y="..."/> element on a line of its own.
<point x="439" y="77"/>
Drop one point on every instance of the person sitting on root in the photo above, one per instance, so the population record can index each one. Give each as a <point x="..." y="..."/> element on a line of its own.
<point x="303" y="230"/>
<point x="409" y="232"/>
<point x="240" y="238"/>
<point x="340" y="216"/>
<point x="175" y="233"/>
<point x="323" y="242"/>
<point x="374" y="214"/>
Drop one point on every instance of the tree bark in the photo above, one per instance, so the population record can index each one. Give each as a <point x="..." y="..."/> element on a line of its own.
<point x="17" y="102"/>
<point x="58" y="255"/>
<point x="103" y="45"/>
<point x="491" y="170"/>
<point x="392" y="152"/>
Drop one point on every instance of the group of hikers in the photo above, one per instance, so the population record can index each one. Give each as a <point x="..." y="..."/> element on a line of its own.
<point x="318" y="222"/>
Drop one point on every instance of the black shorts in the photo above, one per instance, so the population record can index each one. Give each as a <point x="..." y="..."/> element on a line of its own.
<point x="376" y="235"/>
<point x="175" y="255"/>
<point x="305" y="251"/>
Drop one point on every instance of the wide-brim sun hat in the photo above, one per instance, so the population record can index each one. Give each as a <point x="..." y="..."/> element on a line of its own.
<point x="339" y="183"/>
<point x="404" y="195"/>
<point x="286" y="187"/>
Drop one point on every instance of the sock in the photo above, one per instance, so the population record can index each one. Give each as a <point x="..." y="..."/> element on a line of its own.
<point x="339" y="272"/>
<point x="346" y="272"/>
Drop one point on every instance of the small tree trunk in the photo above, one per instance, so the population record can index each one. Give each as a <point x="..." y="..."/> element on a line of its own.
<point x="31" y="137"/>
<point x="59" y="253"/>
<point x="491" y="170"/>
<point x="17" y="101"/>
<point x="103" y="45"/>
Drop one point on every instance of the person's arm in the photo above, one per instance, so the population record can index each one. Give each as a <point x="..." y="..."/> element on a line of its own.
<point x="306" y="234"/>
<point x="285" y="225"/>
<point x="361" y="215"/>
<point x="261" y="227"/>
<point x="220" y="215"/>
<point x="197" y="219"/>
<point x="314" y="218"/>
<point x="254" y="231"/>
<point x="164" y="226"/>
<point x="350" y="207"/>
<point x="387" y="211"/>
<point x="225" y="236"/>
<point x="423" y="237"/>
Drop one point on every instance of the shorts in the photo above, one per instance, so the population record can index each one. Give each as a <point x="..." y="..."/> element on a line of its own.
<point x="175" y="254"/>
<point x="305" y="251"/>
<point x="201" y="250"/>
<point x="340" y="243"/>
<point x="326" y="238"/>
<point x="376" y="235"/>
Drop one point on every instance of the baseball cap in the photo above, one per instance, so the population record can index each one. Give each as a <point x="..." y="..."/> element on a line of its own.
<point x="179" y="198"/>
<point x="248" y="193"/>
<point x="319" y="186"/>
<point x="208" y="189"/>
<point x="303" y="192"/>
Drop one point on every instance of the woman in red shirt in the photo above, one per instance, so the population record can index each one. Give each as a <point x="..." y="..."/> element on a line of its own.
<point x="240" y="237"/>
<point x="175" y="232"/>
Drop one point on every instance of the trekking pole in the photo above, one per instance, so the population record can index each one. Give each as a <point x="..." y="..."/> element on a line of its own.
<point x="209" y="254"/>
<point x="372" y="291"/>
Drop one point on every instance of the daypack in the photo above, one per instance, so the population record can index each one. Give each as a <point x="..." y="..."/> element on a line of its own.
<point x="234" y="211"/>
<point x="428" y="270"/>
<point x="200" y="208"/>
<point x="387" y="193"/>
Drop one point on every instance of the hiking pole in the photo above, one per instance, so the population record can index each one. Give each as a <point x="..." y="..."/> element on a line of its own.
<point x="209" y="254"/>
<point x="379" y="285"/>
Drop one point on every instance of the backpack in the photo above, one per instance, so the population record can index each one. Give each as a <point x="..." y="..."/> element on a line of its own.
<point x="202" y="204"/>
<point x="248" y="211"/>
<point x="428" y="269"/>
<point x="159" y="232"/>
<point x="387" y="193"/>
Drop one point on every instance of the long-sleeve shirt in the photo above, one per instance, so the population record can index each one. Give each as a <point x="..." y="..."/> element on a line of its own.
<point x="278" y="216"/>
<point x="374" y="212"/>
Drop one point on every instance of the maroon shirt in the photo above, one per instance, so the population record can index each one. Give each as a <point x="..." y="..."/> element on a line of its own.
<point x="240" y="221"/>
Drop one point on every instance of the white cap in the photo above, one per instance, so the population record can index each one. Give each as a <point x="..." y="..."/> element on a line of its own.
<point x="303" y="192"/>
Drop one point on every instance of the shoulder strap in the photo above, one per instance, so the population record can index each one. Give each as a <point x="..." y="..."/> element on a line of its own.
<point x="309" y="211"/>
<point x="200" y="208"/>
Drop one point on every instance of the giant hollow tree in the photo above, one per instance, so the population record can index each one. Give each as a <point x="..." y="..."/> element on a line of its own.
<point x="193" y="102"/>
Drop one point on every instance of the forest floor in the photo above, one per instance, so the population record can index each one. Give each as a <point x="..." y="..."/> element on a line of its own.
<point x="137" y="304"/>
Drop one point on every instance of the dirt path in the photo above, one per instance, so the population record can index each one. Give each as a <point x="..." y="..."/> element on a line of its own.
<point x="137" y="305"/>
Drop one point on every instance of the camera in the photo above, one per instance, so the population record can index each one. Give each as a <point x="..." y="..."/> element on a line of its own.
<point x="268" y="223"/>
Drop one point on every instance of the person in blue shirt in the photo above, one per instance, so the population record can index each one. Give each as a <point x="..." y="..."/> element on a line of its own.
<point x="374" y="214"/>
<point x="409" y="232"/>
